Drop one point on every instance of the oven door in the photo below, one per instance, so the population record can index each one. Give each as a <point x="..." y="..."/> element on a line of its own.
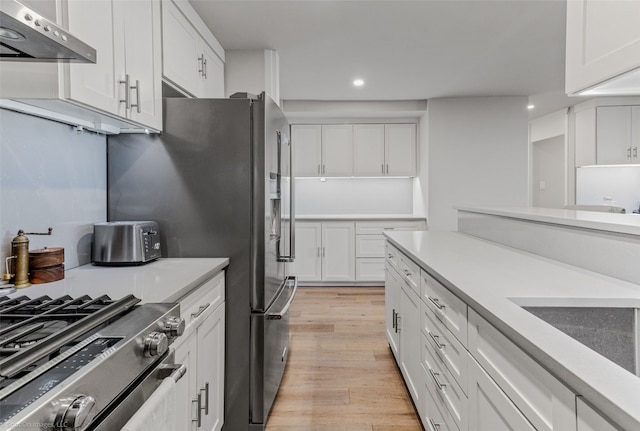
<point x="269" y="350"/>
<point x="123" y="408"/>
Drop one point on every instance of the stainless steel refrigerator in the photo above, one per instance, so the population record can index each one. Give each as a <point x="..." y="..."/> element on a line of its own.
<point x="218" y="182"/>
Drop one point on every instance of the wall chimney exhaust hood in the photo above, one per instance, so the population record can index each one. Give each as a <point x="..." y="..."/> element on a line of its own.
<point x="25" y="35"/>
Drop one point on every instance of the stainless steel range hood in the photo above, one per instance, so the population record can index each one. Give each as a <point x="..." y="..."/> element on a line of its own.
<point x="25" y="35"/>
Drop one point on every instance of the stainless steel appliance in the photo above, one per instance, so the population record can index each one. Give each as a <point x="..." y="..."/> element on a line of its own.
<point x="81" y="363"/>
<point x="25" y="35"/>
<point x="218" y="182"/>
<point x="125" y="243"/>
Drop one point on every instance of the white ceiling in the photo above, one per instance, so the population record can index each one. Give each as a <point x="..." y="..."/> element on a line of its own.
<point x="404" y="50"/>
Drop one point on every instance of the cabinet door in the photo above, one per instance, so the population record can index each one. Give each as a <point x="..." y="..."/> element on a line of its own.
<point x="308" y="262"/>
<point x="368" y="150"/>
<point x="212" y="77"/>
<point x="392" y="307"/>
<point x="211" y="369"/>
<point x="489" y="408"/>
<point x="143" y="61"/>
<point x="307" y="141"/>
<point x="370" y="269"/>
<point x="410" y="342"/>
<point x="186" y="392"/>
<point x="613" y="135"/>
<point x="635" y="134"/>
<point x="337" y="150"/>
<point x="338" y="251"/>
<point x="590" y="420"/>
<point x="179" y="48"/>
<point x="400" y="149"/>
<point x="97" y="85"/>
<point x="603" y="40"/>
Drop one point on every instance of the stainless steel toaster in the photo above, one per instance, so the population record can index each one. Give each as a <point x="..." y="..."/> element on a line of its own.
<point x="125" y="242"/>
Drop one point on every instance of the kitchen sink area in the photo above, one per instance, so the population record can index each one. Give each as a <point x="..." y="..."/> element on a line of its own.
<point x="609" y="327"/>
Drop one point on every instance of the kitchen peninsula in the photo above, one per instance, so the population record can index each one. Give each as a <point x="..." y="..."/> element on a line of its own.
<point x="487" y="344"/>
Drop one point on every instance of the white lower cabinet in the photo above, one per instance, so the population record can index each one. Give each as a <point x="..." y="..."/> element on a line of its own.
<point x="590" y="420"/>
<point x="200" y="392"/>
<point x="392" y="292"/>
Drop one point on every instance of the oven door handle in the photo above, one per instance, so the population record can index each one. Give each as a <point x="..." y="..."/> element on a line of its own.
<point x="175" y="371"/>
<point x="279" y="315"/>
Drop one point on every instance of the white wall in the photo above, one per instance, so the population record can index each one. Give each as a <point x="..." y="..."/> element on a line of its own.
<point x="354" y="196"/>
<point x="548" y="172"/>
<point x="252" y="71"/>
<point x="478" y="155"/>
<point x="609" y="185"/>
<point x="421" y="181"/>
<point x="50" y="176"/>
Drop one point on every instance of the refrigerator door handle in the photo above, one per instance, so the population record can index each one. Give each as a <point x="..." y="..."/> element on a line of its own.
<point x="280" y="314"/>
<point x="282" y="139"/>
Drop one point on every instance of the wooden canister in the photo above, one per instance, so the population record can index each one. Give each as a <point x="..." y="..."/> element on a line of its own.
<point x="46" y="265"/>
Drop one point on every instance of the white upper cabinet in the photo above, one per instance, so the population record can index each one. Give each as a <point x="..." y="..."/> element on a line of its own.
<point x="323" y="150"/>
<point x="603" y="41"/>
<point x="307" y="144"/>
<point x="400" y="149"/>
<point x="337" y="150"/>
<point x="617" y="134"/>
<point x="126" y="36"/>
<point x="189" y="64"/>
<point x="368" y="146"/>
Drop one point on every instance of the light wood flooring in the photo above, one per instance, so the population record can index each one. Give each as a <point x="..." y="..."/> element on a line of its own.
<point x="341" y="375"/>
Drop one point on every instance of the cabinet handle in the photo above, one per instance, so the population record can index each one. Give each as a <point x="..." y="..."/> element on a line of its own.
<point x="205" y="67"/>
<point x="126" y="101"/>
<point x="435" y="379"/>
<point x="436" y="339"/>
<point x="201" y="65"/>
<point x="435" y="426"/>
<point x="318" y="252"/>
<point x="206" y="398"/>
<point x="322" y="251"/>
<point x="397" y="320"/>
<point x="318" y="169"/>
<point x="393" y="318"/>
<point x="198" y="401"/>
<point x="436" y="302"/>
<point x="635" y="152"/>
<point x="407" y="273"/>
<point x="323" y="169"/>
<point x="629" y="153"/>
<point x="382" y="166"/>
<point x="387" y="168"/>
<point x="200" y="310"/>
<point x="137" y="88"/>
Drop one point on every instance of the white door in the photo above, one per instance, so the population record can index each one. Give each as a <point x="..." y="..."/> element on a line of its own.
<point x="337" y="150"/>
<point x="211" y="369"/>
<point x="400" y="150"/>
<point x="97" y="84"/>
<point x="212" y="80"/>
<point x="603" y="40"/>
<point x="186" y="354"/>
<point x="338" y="251"/>
<point x="410" y="342"/>
<point x="143" y="61"/>
<point x="308" y="262"/>
<point x="392" y="293"/>
<point x="179" y="48"/>
<point x="368" y="150"/>
<point x="613" y="135"/>
<point x="307" y="142"/>
<point x="489" y="408"/>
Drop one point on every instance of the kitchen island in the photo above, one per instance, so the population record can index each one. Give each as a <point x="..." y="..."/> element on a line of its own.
<point x="494" y="282"/>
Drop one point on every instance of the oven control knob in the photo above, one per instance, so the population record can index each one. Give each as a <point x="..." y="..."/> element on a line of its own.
<point x="174" y="326"/>
<point x="75" y="413"/>
<point x="155" y="344"/>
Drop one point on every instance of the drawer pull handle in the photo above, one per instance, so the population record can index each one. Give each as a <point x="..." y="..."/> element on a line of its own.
<point x="200" y="310"/>
<point x="435" y="379"/>
<point x="435" y="426"/>
<point x="397" y="325"/>
<point x="436" y="302"/>
<point x="436" y="339"/>
<point x="407" y="273"/>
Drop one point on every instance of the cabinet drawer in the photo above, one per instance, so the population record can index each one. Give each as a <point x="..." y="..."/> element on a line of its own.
<point x="444" y="385"/>
<point x="410" y="272"/>
<point x="377" y="227"/>
<point x="208" y="296"/>
<point x="370" y="269"/>
<point x="370" y="245"/>
<point x="437" y="416"/>
<point x="447" y="307"/>
<point x="449" y="351"/>
<point x="545" y="401"/>
<point x="393" y="257"/>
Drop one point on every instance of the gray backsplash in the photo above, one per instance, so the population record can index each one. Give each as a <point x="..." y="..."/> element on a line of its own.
<point x="51" y="175"/>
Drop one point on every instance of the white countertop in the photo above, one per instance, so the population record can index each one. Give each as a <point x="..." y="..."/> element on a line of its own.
<point x="485" y="275"/>
<point x="619" y="223"/>
<point x="398" y="217"/>
<point x="164" y="280"/>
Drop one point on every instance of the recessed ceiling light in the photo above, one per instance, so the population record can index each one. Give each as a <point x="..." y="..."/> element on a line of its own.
<point x="358" y="82"/>
<point x="531" y="106"/>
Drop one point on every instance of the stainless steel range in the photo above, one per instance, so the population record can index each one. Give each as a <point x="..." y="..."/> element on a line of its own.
<point x="82" y="363"/>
